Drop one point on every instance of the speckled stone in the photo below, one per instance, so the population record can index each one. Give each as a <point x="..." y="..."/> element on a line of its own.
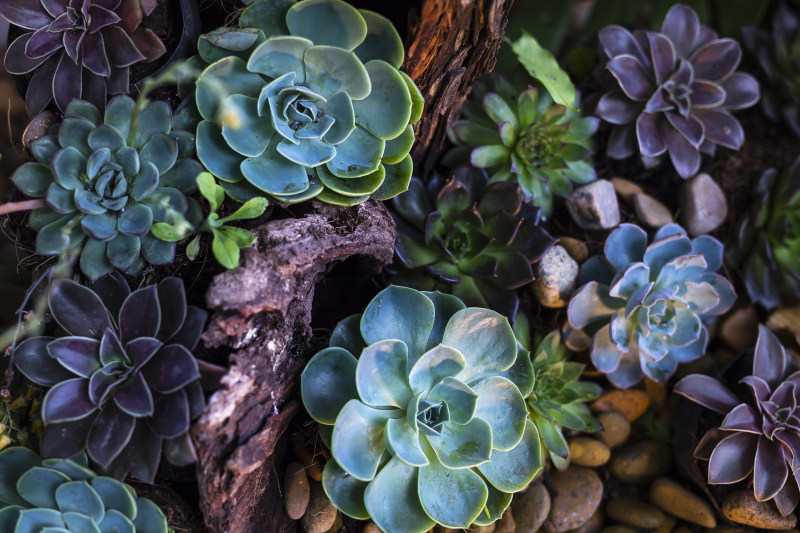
<point x="703" y="205"/>
<point x="320" y="514"/>
<point x="555" y="275"/>
<point x="677" y="500"/>
<point x="650" y="211"/>
<point x="586" y="451"/>
<point x="632" y="403"/>
<point x="296" y="490"/>
<point x="640" y="462"/>
<point x="616" y="428"/>
<point x="578" y="492"/>
<point x="634" y="513"/>
<point x="742" y="507"/>
<point x="531" y="508"/>
<point x="38" y="127"/>
<point x="594" y="206"/>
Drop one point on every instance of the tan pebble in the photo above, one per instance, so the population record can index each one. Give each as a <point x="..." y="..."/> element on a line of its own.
<point x="370" y="527"/>
<point x="656" y="392"/>
<point x="640" y="462"/>
<point x="314" y="471"/>
<point x="320" y="514"/>
<point x="616" y="428"/>
<point x="739" y="330"/>
<point x="507" y="524"/>
<point x="575" y="248"/>
<point x="337" y="524"/>
<point x="618" y="529"/>
<point x="668" y="525"/>
<point x="577" y="493"/>
<point x="632" y="403"/>
<point x="650" y="211"/>
<point x="594" y="524"/>
<point x="677" y="500"/>
<point x="586" y="451"/>
<point x="38" y="128"/>
<point x="296" y="490"/>
<point x="531" y="508"/>
<point x="626" y="189"/>
<point x="742" y="507"/>
<point x="634" y="513"/>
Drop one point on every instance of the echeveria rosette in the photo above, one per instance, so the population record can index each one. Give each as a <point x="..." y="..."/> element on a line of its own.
<point x="123" y="383"/>
<point x="64" y="495"/>
<point x="469" y="238"/>
<point x="760" y="435"/>
<point x="646" y="306"/>
<point x="423" y="402"/>
<point x="318" y="109"/>
<point x="106" y="184"/>
<point x="77" y="49"/>
<point x="672" y="91"/>
<point x="778" y="55"/>
<point x="525" y="138"/>
<point x="767" y="250"/>
<point x="558" y="399"/>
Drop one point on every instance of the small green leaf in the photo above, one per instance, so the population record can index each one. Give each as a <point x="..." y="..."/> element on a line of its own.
<point x="541" y="64"/>
<point x="193" y="248"/>
<point x="225" y="250"/>
<point x="241" y="237"/>
<point x="252" y="208"/>
<point x="167" y="232"/>
<point x="210" y="190"/>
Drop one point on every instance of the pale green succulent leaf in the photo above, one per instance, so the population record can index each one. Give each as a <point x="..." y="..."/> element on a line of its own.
<point x="403" y="512"/>
<point x="249" y="134"/>
<point x="382" y="40"/>
<point x="398" y="148"/>
<point x="219" y="80"/>
<point x="279" y="55"/>
<point x="273" y="173"/>
<point x="156" y="117"/>
<point x="149" y="517"/>
<point x="433" y="366"/>
<point x="33" y="179"/>
<point x="344" y="491"/>
<point x="44" y="148"/>
<point x="330" y="70"/>
<point x="315" y="188"/>
<point x="269" y="17"/>
<point x="223" y="42"/>
<point x="215" y="154"/>
<point x="123" y="250"/>
<point x="382" y="374"/>
<point x="80" y="497"/>
<point x="513" y="470"/>
<point x="472" y="134"/>
<point x="94" y="261"/>
<point x="592" y="302"/>
<point x="499" y="110"/>
<point x="115" y="495"/>
<point x="496" y="504"/>
<point x="358" y="155"/>
<point x="135" y="220"/>
<point x="145" y="183"/>
<point x="528" y="102"/>
<point x="541" y="64"/>
<point x="500" y="404"/>
<point x="347" y="335"/>
<point x="551" y="435"/>
<point x="83" y="109"/>
<point x="485" y="339"/>
<point x="327" y="22"/>
<point x="386" y="111"/>
<point x="387" y="317"/>
<point x="357" y="441"/>
<point x="489" y="156"/>
<point x="352" y="186"/>
<point x="38" y="486"/>
<point x="396" y="181"/>
<point x="51" y="237"/>
<point x="334" y="198"/>
<point x="339" y="106"/>
<point x="307" y="153"/>
<point x="327" y="383"/>
<point x="34" y="520"/>
<point x="226" y="250"/>
<point x="212" y="192"/>
<point x="521" y="373"/>
<point x="252" y="208"/>
<point x="105" y="136"/>
<point x="68" y="166"/>
<point x="118" y="114"/>
<point x="116" y="521"/>
<point x="79" y="523"/>
<point x="403" y="441"/>
<point x="460" y="399"/>
<point x="417" y="100"/>
<point x="128" y="158"/>
<point x="463" y="446"/>
<point x="240" y="236"/>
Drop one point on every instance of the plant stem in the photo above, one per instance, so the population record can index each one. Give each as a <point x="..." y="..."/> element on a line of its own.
<point x="27" y="205"/>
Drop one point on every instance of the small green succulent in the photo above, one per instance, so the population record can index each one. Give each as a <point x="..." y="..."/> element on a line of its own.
<point x="422" y="402"/>
<point x="107" y="178"/>
<point x="523" y="137"/>
<point x="63" y="496"/>
<point x="305" y="100"/>
<point x="472" y="239"/>
<point x="558" y="399"/>
<point x="768" y="246"/>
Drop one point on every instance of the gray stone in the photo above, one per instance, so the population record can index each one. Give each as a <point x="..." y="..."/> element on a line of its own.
<point x="531" y="508"/>
<point x="38" y="127"/>
<point x="556" y="274"/>
<point x="703" y="205"/>
<point x="578" y="492"/>
<point x="650" y="211"/>
<point x="320" y="515"/>
<point x="297" y="491"/>
<point x="594" y="206"/>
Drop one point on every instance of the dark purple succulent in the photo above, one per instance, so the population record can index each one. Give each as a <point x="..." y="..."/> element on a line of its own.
<point x="124" y="385"/>
<point x="760" y="435"/>
<point x="672" y="91"/>
<point x="78" y="48"/>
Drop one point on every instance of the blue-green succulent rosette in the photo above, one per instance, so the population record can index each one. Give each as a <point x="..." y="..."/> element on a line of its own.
<point x="421" y="400"/>
<point x="305" y="100"/>
<point x="645" y="308"/>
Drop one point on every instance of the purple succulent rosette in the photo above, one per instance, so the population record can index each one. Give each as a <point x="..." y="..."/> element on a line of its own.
<point x="760" y="435"/>
<point x="672" y="91"/>
<point x="645" y="307"/>
<point x="78" y="49"/>
<point x="124" y="385"/>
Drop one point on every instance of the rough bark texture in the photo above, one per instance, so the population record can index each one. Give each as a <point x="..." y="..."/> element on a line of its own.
<point x="452" y="45"/>
<point x="262" y="312"/>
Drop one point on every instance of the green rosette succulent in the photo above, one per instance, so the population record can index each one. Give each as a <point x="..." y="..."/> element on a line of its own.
<point x="63" y="496"/>
<point x="524" y="137"/>
<point x="422" y="402"/>
<point x="474" y="239"/>
<point x="768" y="246"/>
<point x="107" y="178"/>
<point x="558" y="399"/>
<point x="305" y="100"/>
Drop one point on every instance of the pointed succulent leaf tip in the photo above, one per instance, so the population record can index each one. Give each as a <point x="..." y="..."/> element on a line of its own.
<point x="48" y="495"/>
<point x="673" y="85"/>
<point x="405" y="399"/>
<point x="649" y="312"/>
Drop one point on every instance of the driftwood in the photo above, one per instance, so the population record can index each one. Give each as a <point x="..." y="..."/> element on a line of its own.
<point x="262" y="310"/>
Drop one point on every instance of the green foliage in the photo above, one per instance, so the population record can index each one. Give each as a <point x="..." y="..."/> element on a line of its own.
<point x="521" y="136"/>
<point x="107" y="179"/>
<point x="63" y="495"/>
<point x="298" y="108"/>
<point x="429" y="423"/>
<point x="542" y="66"/>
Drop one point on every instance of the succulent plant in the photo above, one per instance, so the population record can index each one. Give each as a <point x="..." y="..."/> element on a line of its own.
<point x="767" y="250"/>
<point x="558" y="399"/>
<point x="317" y="109"/>
<point x="77" y="49"/>
<point x="63" y="495"/>
<point x="760" y="435"/>
<point x="123" y="383"/>
<point x="429" y="417"/>
<point x="646" y="306"/>
<point x="523" y="137"/>
<point x="472" y="239"/>
<point x="672" y="91"/>
<point x="778" y="55"/>
<point x="106" y="180"/>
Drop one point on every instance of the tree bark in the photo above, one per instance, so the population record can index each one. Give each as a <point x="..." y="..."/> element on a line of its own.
<point x="453" y="44"/>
